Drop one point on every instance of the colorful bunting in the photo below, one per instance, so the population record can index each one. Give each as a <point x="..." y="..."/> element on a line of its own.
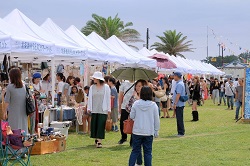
<point x="222" y="43"/>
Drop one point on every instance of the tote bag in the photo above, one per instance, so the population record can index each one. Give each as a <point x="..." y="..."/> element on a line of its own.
<point x="108" y="125"/>
<point x="128" y="126"/>
<point x="160" y="93"/>
<point x="2" y="109"/>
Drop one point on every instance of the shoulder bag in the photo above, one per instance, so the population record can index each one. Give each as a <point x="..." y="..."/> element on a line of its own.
<point x="185" y="97"/>
<point x="30" y="106"/>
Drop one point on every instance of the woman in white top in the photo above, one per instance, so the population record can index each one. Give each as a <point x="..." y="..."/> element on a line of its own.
<point x="46" y="84"/>
<point x="99" y="104"/>
<point x="230" y="92"/>
<point x="222" y="92"/>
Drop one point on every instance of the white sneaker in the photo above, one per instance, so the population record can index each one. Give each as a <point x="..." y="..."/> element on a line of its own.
<point x="137" y="165"/>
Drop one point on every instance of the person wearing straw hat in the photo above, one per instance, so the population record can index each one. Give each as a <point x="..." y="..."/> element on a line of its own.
<point x="99" y="105"/>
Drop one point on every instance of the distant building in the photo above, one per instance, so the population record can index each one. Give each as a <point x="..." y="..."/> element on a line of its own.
<point x="236" y="69"/>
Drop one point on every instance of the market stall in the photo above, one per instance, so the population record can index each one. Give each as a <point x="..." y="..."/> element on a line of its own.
<point x="48" y="44"/>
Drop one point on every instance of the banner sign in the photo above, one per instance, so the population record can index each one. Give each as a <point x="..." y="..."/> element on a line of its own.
<point x="5" y="46"/>
<point x="70" y="51"/>
<point x="26" y="46"/>
<point x="246" y="107"/>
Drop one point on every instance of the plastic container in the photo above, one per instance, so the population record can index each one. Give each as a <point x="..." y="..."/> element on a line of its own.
<point x="63" y="127"/>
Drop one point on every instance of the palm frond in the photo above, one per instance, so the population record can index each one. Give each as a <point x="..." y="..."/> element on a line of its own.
<point x="106" y="27"/>
<point x="173" y="43"/>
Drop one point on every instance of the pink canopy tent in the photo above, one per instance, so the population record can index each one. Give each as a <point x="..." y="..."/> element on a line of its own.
<point x="163" y="61"/>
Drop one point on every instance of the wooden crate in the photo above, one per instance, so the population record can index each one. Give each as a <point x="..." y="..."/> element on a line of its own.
<point x="44" y="147"/>
<point x="60" y="143"/>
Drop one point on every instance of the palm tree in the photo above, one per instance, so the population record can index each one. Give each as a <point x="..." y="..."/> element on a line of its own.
<point x="106" y="27"/>
<point x="173" y="43"/>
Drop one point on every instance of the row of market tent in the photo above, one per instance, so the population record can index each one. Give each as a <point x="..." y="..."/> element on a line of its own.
<point x="167" y="63"/>
<point x="28" y="42"/>
<point x="24" y="39"/>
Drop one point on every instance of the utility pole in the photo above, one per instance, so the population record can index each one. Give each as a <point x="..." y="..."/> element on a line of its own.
<point x="219" y="48"/>
<point x="247" y="57"/>
<point x="147" y="38"/>
<point x="207" y="42"/>
<point x="222" y="56"/>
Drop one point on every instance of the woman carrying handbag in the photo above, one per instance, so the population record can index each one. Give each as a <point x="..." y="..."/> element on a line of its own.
<point x="99" y="105"/>
<point x="146" y="126"/>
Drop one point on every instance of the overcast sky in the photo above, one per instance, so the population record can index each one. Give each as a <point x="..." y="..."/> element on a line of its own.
<point x="229" y="19"/>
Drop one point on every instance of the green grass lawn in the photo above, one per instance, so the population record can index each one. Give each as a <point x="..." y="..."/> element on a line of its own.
<point x="215" y="140"/>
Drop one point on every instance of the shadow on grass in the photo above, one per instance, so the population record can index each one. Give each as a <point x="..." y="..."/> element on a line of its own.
<point x="88" y="147"/>
<point x="119" y="148"/>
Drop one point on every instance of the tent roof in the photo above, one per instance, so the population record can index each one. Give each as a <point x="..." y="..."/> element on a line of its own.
<point x="27" y="26"/>
<point x="122" y="46"/>
<point x="235" y="64"/>
<point x="145" y="52"/>
<point x="54" y="30"/>
<point x="104" y="55"/>
<point x="79" y="37"/>
<point x="105" y="45"/>
<point x="24" y="42"/>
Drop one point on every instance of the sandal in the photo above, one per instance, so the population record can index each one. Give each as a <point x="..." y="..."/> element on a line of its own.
<point x="162" y="117"/>
<point x="167" y="116"/>
<point x="99" y="145"/>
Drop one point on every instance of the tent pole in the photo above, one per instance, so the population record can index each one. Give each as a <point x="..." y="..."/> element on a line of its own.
<point x="53" y="77"/>
<point x="86" y="73"/>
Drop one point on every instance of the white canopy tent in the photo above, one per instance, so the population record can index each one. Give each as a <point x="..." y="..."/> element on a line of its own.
<point x="113" y="40"/>
<point x="104" y="45"/>
<point x="181" y="65"/>
<point x="23" y="43"/>
<point x="74" y="50"/>
<point x="62" y="49"/>
<point x="83" y="41"/>
<point x="186" y="65"/>
<point x="145" y="52"/>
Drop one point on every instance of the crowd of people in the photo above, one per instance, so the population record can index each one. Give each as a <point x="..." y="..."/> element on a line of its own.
<point x="108" y="98"/>
<point x="228" y="91"/>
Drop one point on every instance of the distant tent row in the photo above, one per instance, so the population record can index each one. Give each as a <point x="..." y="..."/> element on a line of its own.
<point x="180" y="64"/>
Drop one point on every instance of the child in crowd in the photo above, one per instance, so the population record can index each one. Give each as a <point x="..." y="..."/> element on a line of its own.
<point x="74" y="91"/>
<point x="86" y="115"/>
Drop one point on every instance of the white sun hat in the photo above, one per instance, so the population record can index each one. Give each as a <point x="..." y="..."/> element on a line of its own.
<point x="98" y="75"/>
